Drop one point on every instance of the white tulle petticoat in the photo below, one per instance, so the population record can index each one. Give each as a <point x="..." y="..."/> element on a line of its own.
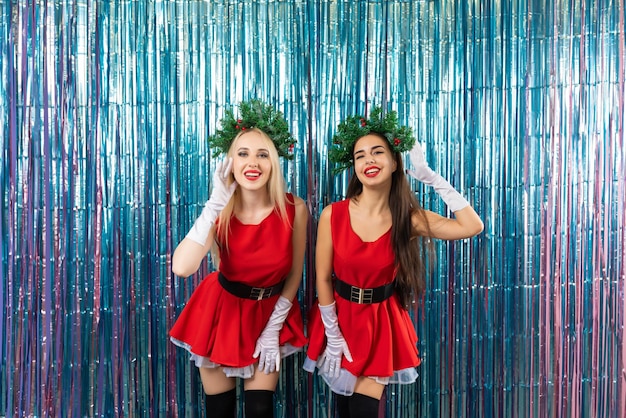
<point x="345" y="382"/>
<point x="245" y="372"/>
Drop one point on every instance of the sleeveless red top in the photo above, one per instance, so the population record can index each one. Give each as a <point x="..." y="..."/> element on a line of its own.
<point x="224" y="328"/>
<point x="380" y="336"/>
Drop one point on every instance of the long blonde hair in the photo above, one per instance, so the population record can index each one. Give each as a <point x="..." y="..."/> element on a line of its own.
<point x="275" y="188"/>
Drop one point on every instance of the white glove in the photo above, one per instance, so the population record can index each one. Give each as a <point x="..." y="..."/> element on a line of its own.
<point x="423" y="173"/>
<point x="267" y="348"/>
<point x="336" y="345"/>
<point x="221" y="194"/>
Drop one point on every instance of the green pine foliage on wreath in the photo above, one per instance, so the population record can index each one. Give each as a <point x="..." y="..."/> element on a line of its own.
<point x="400" y="138"/>
<point x="254" y="114"/>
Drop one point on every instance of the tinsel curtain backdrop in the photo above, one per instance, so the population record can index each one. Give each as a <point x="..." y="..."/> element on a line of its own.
<point x="104" y="165"/>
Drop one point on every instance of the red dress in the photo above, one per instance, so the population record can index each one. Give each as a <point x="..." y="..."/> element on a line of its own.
<point x="380" y="336"/>
<point x="220" y="329"/>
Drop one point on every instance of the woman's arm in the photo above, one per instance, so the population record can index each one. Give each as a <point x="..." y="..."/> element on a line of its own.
<point x="465" y="224"/>
<point x="293" y="279"/>
<point x="324" y="259"/>
<point x="336" y="346"/>
<point x="189" y="254"/>
<point x="196" y="245"/>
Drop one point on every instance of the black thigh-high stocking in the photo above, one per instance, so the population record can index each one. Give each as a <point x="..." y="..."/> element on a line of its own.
<point x="259" y="403"/>
<point x="363" y="406"/>
<point x="342" y="406"/>
<point x="356" y="406"/>
<point x="221" y="405"/>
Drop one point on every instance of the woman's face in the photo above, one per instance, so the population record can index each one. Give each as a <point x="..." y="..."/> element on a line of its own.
<point x="252" y="166"/>
<point x="373" y="160"/>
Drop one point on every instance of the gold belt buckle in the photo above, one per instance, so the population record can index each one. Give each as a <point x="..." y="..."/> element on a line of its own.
<point x="259" y="290"/>
<point x="361" y="295"/>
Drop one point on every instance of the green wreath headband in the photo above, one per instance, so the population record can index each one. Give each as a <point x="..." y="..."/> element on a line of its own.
<point x="254" y="114"/>
<point x="400" y="138"/>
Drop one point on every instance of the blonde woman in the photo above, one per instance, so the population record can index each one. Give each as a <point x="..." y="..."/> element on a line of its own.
<point x="243" y="318"/>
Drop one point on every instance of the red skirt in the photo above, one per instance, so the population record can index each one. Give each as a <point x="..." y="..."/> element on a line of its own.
<point x="224" y="328"/>
<point x="380" y="336"/>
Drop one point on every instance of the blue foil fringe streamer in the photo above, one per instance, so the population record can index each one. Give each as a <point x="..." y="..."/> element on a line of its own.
<point x="106" y="107"/>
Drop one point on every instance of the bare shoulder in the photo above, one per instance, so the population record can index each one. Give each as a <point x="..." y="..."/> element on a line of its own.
<point x="324" y="234"/>
<point x="300" y="205"/>
<point x="298" y="201"/>
<point x="326" y="212"/>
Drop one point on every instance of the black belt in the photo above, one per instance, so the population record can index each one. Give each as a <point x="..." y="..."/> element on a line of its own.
<point x="359" y="295"/>
<point x="248" y="292"/>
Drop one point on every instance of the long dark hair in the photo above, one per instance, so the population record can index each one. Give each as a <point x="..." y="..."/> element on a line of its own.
<point x="410" y="252"/>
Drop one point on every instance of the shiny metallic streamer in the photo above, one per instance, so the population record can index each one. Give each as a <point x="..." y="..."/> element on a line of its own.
<point x="106" y="107"/>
